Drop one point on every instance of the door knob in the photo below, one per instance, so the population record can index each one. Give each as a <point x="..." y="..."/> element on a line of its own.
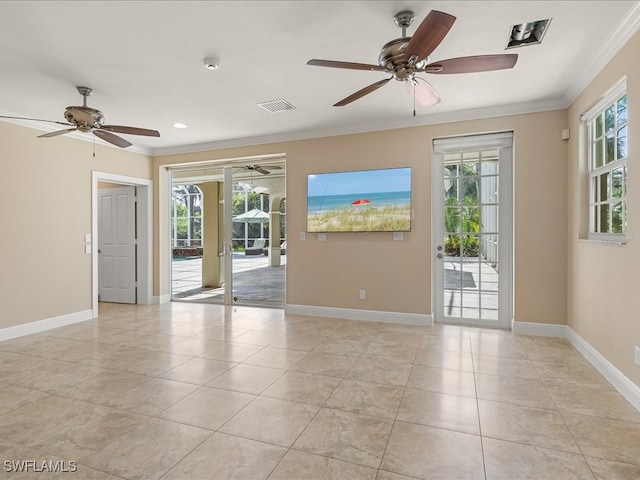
<point x="439" y="255"/>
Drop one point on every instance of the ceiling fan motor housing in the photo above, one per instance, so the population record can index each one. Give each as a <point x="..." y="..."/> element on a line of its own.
<point x="85" y="118"/>
<point x="392" y="57"/>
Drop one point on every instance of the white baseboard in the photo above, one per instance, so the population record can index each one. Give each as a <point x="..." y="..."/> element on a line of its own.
<point x="622" y="383"/>
<point x="159" y="300"/>
<point x="539" y="329"/>
<point x="46" y="324"/>
<point x="626" y="387"/>
<point x="366" y="315"/>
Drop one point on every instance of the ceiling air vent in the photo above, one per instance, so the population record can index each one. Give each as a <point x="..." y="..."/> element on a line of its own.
<point x="528" y="33"/>
<point x="274" y="106"/>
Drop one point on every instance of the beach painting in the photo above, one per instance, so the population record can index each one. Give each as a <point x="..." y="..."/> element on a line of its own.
<point x="360" y="201"/>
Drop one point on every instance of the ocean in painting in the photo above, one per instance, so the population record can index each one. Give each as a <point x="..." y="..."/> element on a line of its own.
<point x="332" y="203"/>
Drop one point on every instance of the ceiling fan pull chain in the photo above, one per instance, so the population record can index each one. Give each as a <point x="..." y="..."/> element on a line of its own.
<point x="414" y="100"/>
<point x="94" y="146"/>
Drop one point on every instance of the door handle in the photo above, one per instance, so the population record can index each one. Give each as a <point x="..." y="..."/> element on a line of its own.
<point x="439" y="255"/>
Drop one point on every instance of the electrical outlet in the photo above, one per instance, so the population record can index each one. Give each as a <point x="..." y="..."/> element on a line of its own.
<point x="363" y="294"/>
<point x="303" y="236"/>
<point x="636" y="356"/>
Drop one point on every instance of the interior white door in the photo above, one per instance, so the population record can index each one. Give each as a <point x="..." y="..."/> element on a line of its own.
<point x="472" y="230"/>
<point x="117" y="245"/>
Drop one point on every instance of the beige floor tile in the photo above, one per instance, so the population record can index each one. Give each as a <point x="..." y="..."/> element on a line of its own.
<point x="572" y="374"/>
<point x="532" y="426"/>
<point x="380" y="370"/>
<point x="231" y="352"/>
<point x="453" y="382"/>
<point x="338" y="346"/>
<point x="258" y="337"/>
<point x="608" y="470"/>
<point x="225" y="457"/>
<point x="298" y="342"/>
<point x="276" y="358"/>
<point x="247" y="378"/>
<point x="12" y="397"/>
<point x="193" y="346"/>
<point x="507" y="460"/>
<point x="429" y="453"/>
<point x="198" y="370"/>
<point x="488" y="343"/>
<point x="300" y="465"/>
<point x="104" y="386"/>
<point x="325" y="364"/>
<point x="396" y="352"/>
<point x="450" y="338"/>
<point x="382" y="475"/>
<point x="134" y="456"/>
<point x="221" y="333"/>
<point x="132" y="360"/>
<point x="386" y="337"/>
<point x="346" y="436"/>
<point x="270" y="420"/>
<point x="440" y="410"/>
<point x="152" y="397"/>
<point x="27" y="368"/>
<point x="430" y="357"/>
<point x="366" y="398"/>
<point x="207" y="407"/>
<point x="66" y="427"/>
<point x="607" y="439"/>
<point x="593" y="402"/>
<point x="62" y="378"/>
<point x="505" y="367"/>
<point x="558" y="351"/>
<point x="530" y="393"/>
<point x="303" y="388"/>
<point x="81" y="472"/>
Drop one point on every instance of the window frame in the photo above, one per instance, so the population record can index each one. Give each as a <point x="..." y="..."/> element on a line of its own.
<point x="595" y="173"/>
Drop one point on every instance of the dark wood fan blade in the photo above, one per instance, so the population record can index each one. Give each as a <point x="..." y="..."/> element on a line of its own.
<point x="362" y="93"/>
<point x="130" y="130"/>
<point x="261" y="170"/>
<point x="348" y="65"/>
<point x="428" y="36"/>
<point x="111" y="138"/>
<point x="57" y="132"/>
<point x="36" y="120"/>
<point x="479" y="63"/>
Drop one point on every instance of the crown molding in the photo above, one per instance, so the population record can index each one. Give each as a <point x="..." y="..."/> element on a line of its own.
<point x="618" y="39"/>
<point x="419" y="121"/>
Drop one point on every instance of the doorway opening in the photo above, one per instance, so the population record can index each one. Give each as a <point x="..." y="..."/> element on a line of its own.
<point x="228" y="231"/>
<point x="141" y="263"/>
<point x="473" y="230"/>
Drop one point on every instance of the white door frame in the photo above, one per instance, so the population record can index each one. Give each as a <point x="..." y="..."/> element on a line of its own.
<point x="503" y="141"/>
<point x="144" y="225"/>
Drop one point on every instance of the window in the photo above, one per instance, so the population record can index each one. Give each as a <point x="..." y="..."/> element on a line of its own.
<point x="607" y="156"/>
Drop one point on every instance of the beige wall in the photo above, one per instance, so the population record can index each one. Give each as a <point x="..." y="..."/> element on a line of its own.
<point x="603" y="279"/>
<point x="397" y="275"/>
<point x="45" y="207"/>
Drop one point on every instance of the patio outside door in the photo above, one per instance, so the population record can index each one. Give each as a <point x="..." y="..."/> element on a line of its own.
<point x="472" y="230"/>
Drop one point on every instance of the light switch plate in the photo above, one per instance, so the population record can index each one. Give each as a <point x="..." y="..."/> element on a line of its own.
<point x="303" y="236"/>
<point x="87" y="237"/>
<point x="322" y="237"/>
<point x="87" y="249"/>
<point x="398" y="236"/>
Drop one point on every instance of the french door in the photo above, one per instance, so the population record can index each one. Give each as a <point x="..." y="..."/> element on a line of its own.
<point x="472" y="233"/>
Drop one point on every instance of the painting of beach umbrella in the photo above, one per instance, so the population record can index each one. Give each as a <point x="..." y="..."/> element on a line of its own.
<point x="361" y="201"/>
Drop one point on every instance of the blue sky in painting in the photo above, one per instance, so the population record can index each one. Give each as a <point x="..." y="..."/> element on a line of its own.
<point x="361" y="181"/>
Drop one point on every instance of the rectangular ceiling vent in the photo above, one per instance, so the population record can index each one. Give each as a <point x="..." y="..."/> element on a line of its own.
<point x="275" y="106"/>
<point x="528" y="33"/>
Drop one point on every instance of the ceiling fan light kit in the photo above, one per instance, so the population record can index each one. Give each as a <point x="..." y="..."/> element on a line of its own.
<point x="405" y="57"/>
<point x="89" y="120"/>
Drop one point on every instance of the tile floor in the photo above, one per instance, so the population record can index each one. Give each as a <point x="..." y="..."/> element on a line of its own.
<point x="196" y="391"/>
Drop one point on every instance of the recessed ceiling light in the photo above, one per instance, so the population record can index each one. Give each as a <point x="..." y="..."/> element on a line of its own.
<point x="179" y="125"/>
<point x="528" y="33"/>
<point x="211" y="64"/>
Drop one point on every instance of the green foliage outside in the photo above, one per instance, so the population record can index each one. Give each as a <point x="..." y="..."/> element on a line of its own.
<point x="461" y="223"/>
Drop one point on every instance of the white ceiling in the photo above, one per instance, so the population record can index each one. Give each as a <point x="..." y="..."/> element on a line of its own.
<point x="144" y="61"/>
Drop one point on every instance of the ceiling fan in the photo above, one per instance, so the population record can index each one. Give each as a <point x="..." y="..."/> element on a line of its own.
<point x="265" y="170"/>
<point x="87" y="119"/>
<point x="405" y="57"/>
